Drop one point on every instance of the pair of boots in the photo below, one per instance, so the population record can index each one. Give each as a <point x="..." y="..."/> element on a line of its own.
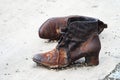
<point x="78" y="39"/>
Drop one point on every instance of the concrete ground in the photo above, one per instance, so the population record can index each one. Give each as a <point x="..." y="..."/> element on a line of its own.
<point x="19" y="41"/>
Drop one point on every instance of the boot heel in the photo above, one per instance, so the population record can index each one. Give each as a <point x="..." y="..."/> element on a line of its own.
<point x="92" y="60"/>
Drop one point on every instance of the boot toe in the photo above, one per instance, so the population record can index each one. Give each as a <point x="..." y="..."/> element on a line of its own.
<point x="37" y="58"/>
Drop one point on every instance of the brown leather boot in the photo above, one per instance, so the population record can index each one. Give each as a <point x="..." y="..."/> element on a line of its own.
<point x="79" y="39"/>
<point x="51" y="28"/>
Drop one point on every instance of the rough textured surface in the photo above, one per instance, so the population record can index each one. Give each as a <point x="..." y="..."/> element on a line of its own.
<point x="19" y="41"/>
<point x="115" y="74"/>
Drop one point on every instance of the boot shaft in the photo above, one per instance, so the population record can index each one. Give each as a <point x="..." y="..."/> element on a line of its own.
<point x="77" y="31"/>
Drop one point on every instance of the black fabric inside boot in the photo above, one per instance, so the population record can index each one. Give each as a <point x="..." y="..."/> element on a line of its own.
<point x="81" y="18"/>
<point x="101" y="25"/>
